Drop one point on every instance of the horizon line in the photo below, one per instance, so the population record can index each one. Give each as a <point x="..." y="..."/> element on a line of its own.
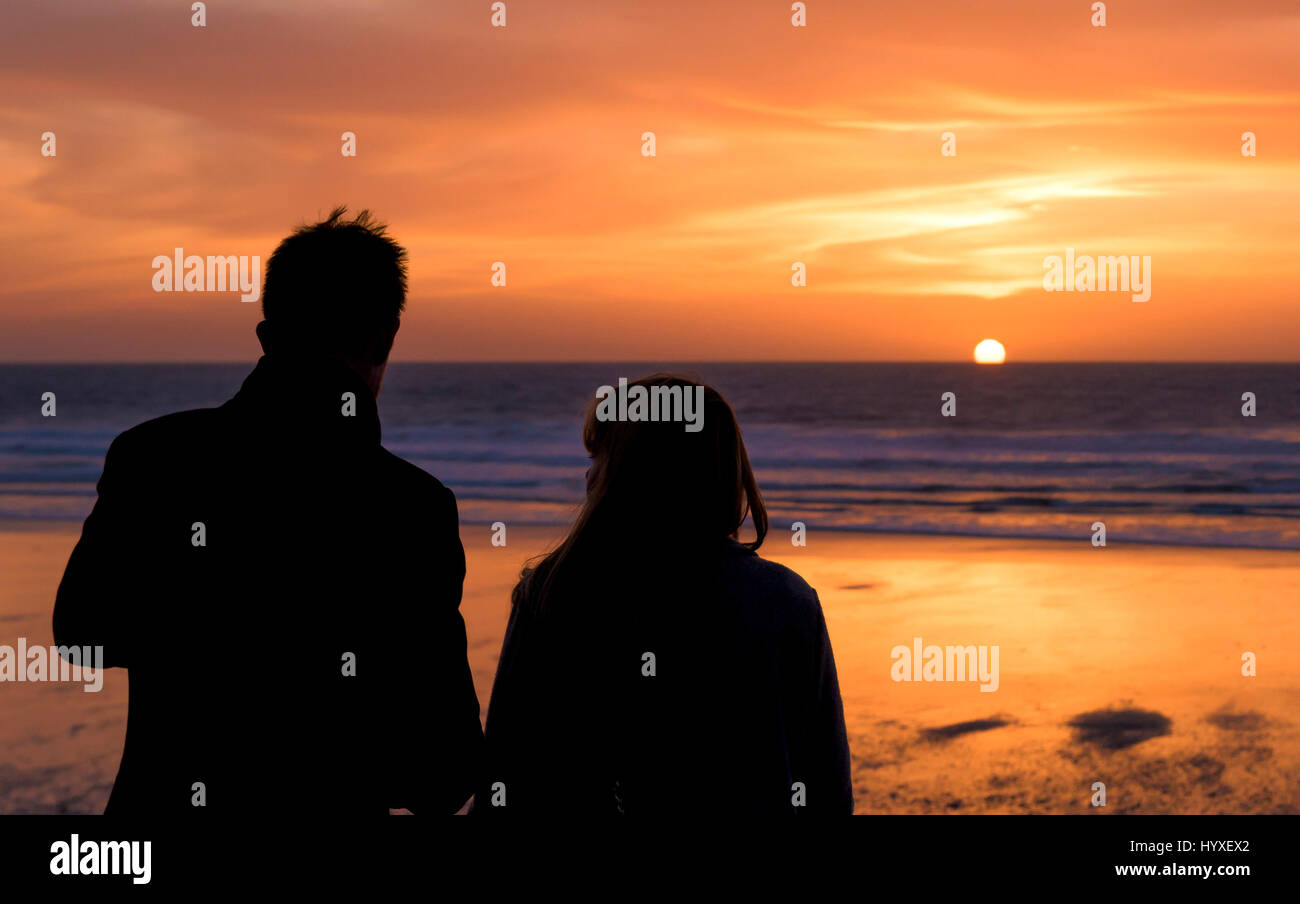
<point x="683" y="361"/>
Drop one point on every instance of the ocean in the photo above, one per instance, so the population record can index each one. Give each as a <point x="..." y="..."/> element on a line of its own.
<point x="1160" y="453"/>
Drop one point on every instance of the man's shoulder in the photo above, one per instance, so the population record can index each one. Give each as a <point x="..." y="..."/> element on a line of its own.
<point x="170" y="429"/>
<point x="412" y="478"/>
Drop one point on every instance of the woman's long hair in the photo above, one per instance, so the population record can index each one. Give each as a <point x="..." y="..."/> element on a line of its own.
<point x="655" y="490"/>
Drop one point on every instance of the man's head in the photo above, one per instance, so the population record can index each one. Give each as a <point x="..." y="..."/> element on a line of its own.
<point x="336" y="289"/>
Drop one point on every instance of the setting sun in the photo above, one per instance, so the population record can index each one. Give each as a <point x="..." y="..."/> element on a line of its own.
<point x="990" y="351"/>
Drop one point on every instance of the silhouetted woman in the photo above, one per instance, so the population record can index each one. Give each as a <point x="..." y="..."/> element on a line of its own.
<point x="652" y="663"/>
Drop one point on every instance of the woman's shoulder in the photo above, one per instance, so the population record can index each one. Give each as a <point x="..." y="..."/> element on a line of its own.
<point x="756" y="577"/>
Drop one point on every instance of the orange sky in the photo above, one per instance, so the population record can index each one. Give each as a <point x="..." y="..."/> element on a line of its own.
<point x="775" y="144"/>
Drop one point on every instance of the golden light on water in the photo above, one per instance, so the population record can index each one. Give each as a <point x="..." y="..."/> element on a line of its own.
<point x="990" y="351"/>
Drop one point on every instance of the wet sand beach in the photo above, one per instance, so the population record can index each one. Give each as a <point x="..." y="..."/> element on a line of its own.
<point x="1119" y="664"/>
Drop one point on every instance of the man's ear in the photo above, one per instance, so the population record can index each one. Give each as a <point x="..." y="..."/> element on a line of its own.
<point x="382" y="346"/>
<point x="264" y="336"/>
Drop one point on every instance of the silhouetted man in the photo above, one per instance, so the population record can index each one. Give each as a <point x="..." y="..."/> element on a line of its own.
<point x="284" y="591"/>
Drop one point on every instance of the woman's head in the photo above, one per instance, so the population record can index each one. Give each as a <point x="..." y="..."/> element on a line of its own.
<point x="690" y="476"/>
<point x="656" y="483"/>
